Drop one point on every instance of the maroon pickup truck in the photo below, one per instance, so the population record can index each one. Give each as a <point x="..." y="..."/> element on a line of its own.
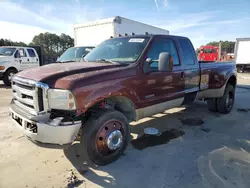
<point x="122" y="80"/>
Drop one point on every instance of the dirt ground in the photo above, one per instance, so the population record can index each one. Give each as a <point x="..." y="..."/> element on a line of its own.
<point x="212" y="154"/>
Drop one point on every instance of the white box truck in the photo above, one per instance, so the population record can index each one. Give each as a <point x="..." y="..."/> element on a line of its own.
<point x="94" y="32"/>
<point x="242" y="55"/>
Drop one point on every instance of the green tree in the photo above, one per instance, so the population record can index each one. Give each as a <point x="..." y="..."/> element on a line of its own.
<point x="6" y="42"/>
<point x="65" y="42"/>
<point x="226" y="46"/>
<point x="52" y="44"/>
<point x="214" y="43"/>
<point x="197" y="51"/>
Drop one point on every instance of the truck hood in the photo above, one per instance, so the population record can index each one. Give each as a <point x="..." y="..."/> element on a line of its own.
<point x="60" y="75"/>
<point x="5" y="58"/>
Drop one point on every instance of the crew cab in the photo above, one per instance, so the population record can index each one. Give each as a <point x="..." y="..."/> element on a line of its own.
<point x="122" y="80"/>
<point x="14" y="59"/>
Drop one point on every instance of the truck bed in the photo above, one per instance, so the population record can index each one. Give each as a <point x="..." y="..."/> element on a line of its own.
<point x="214" y="76"/>
<point x="205" y="62"/>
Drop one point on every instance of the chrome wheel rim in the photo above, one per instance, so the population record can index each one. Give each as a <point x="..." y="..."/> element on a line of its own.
<point x="114" y="140"/>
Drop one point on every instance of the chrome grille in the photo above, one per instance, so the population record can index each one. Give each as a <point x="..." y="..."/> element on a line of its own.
<point x="30" y="95"/>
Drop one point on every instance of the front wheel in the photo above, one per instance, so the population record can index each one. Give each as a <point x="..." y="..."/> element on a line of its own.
<point x="8" y="76"/>
<point x="105" y="136"/>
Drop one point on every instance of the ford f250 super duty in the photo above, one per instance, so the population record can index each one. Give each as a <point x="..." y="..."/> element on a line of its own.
<point x="122" y="80"/>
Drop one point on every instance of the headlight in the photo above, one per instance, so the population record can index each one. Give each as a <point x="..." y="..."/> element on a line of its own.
<point x="61" y="99"/>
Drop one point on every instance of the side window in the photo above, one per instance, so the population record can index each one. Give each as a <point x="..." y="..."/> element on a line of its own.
<point x="31" y="53"/>
<point x="17" y="55"/>
<point x="162" y="45"/>
<point x="187" y="52"/>
<point x="22" y="52"/>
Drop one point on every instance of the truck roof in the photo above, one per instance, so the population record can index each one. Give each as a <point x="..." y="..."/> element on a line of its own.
<point x="243" y="39"/>
<point x="154" y="35"/>
<point x="209" y="46"/>
<point x="117" y="19"/>
<point x="16" y="47"/>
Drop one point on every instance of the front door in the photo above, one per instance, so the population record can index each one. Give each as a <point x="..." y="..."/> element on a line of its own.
<point x="22" y="59"/>
<point x="161" y="90"/>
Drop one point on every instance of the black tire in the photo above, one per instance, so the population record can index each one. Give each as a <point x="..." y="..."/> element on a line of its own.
<point x="226" y="102"/>
<point x="6" y="76"/>
<point x="212" y="105"/>
<point x="91" y="139"/>
<point x="241" y="69"/>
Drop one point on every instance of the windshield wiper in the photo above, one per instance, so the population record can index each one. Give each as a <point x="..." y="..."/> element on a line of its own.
<point x="66" y="61"/>
<point x="107" y="61"/>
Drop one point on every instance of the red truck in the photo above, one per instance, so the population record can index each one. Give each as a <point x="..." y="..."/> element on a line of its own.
<point x="208" y="53"/>
<point x="122" y="80"/>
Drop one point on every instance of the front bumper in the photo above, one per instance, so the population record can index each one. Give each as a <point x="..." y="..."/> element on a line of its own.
<point x="42" y="130"/>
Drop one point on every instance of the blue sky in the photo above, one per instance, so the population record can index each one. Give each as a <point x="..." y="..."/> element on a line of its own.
<point x="202" y="20"/>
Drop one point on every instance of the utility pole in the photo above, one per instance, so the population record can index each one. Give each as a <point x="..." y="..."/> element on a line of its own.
<point x="219" y="53"/>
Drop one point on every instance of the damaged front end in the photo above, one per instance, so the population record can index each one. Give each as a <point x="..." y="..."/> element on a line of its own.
<point x="31" y="110"/>
<point x="44" y="129"/>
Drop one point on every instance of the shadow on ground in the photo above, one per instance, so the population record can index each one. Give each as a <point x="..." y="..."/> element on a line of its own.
<point x="2" y="86"/>
<point x="241" y="86"/>
<point x="138" y="168"/>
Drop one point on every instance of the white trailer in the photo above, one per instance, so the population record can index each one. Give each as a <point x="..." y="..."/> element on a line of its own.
<point x="95" y="32"/>
<point x="242" y="55"/>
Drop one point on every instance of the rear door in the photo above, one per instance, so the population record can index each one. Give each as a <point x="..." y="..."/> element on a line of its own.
<point x="190" y="69"/>
<point x="33" y="59"/>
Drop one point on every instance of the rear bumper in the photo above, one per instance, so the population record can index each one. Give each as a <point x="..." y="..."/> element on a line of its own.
<point x="43" y="131"/>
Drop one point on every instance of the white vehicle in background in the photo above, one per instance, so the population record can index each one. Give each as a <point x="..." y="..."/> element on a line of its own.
<point x="242" y="55"/>
<point x="74" y="54"/>
<point x="14" y="59"/>
<point x="90" y="34"/>
<point x="94" y="32"/>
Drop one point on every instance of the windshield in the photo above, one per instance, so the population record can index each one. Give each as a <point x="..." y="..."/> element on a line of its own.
<point x="209" y="51"/>
<point x="121" y="50"/>
<point x="7" y="51"/>
<point x="74" y="54"/>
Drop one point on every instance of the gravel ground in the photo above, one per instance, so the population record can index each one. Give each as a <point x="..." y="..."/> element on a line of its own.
<point x="212" y="154"/>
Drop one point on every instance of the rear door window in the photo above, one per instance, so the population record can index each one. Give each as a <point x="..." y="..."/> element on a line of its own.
<point x="187" y="52"/>
<point x="31" y="53"/>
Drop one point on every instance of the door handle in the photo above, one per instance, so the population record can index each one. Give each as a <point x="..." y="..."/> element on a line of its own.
<point x="28" y="60"/>
<point x="20" y="61"/>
